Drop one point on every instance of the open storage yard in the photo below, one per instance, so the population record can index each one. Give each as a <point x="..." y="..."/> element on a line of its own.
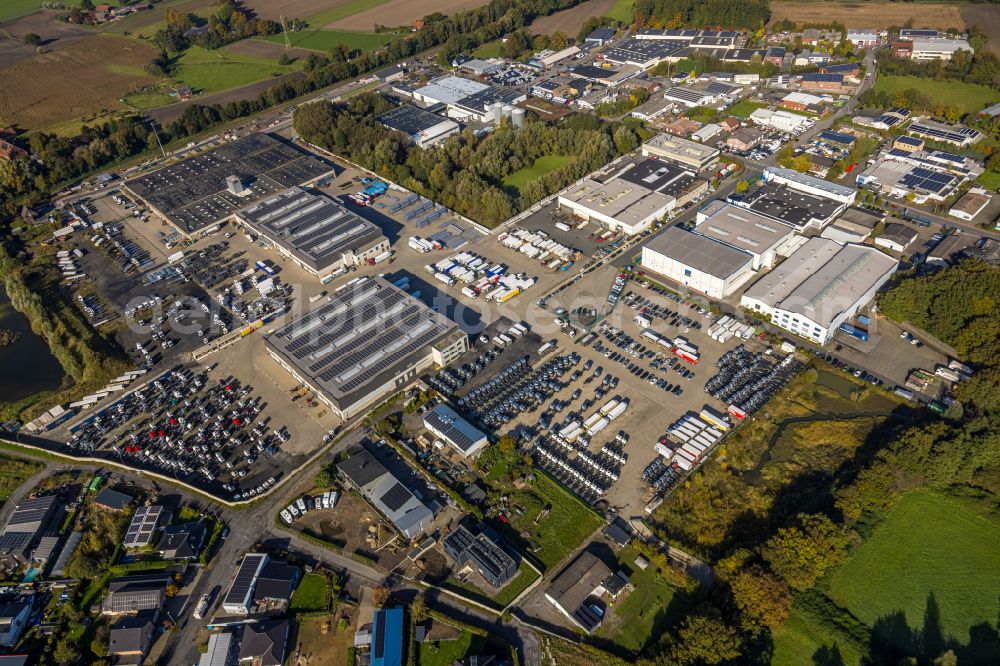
<point x="84" y="78"/>
<point x="875" y="14"/>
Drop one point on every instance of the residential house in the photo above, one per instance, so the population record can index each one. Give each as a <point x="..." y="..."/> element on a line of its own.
<point x="137" y="593"/>
<point x="14" y="616"/>
<point x="265" y="643"/>
<point x="745" y="139"/>
<point x="182" y="542"/>
<point x="112" y="500"/>
<point x="580" y="590"/>
<point x="276" y="582"/>
<point x="825" y="82"/>
<point x="8" y="151"/>
<point x="131" y="637"/>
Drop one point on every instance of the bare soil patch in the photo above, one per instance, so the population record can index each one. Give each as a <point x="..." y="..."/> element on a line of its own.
<point x="986" y="17"/>
<point x="170" y="113"/>
<point x="300" y="9"/>
<point x="401" y="12"/>
<point x="872" y="14"/>
<point x="570" y="20"/>
<point x="76" y="81"/>
<point x="46" y="24"/>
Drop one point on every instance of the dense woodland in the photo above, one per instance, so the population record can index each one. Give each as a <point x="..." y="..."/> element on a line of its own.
<point x="466" y="172"/>
<point x="752" y="14"/>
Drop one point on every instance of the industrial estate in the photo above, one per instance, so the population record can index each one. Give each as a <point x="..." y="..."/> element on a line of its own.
<point x="652" y="332"/>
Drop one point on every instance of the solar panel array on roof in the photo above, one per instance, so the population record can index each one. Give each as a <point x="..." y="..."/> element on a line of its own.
<point x="360" y="338"/>
<point x="29" y="514"/>
<point x="952" y="134"/>
<point x="243" y="582"/>
<point x="396" y="497"/>
<point x="686" y="94"/>
<point x="934" y="182"/>
<point x="193" y="194"/>
<point x="643" y="51"/>
<point x="144" y="522"/>
<point x="909" y="140"/>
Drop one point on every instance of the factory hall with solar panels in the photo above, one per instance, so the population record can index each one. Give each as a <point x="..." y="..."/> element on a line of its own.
<point x="368" y="341"/>
<point x="201" y="191"/>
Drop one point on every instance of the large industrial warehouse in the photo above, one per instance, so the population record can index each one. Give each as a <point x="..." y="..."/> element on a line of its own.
<point x="371" y="340"/>
<point x="819" y="287"/>
<point x="315" y="232"/>
<point x="199" y="192"/>
<point x="697" y="262"/>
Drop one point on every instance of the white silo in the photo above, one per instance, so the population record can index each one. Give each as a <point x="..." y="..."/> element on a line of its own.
<point x="517" y="118"/>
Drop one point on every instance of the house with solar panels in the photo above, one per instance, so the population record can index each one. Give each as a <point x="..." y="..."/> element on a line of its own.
<point x="455" y="431"/>
<point x="24" y="528"/>
<point x="482" y="551"/>
<point x="239" y="597"/>
<point x="129" y="595"/>
<point x="388" y="494"/>
<point x="145" y="523"/>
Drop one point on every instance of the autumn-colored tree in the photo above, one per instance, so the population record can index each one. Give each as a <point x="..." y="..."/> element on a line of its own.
<point x="763" y="598"/>
<point x="802" y="554"/>
<point x="380" y="595"/>
<point x="705" y="639"/>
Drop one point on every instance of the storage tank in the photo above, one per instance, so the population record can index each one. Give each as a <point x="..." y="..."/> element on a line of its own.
<point x="497" y="111"/>
<point x="517" y="117"/>
<point x="507" y="111"/>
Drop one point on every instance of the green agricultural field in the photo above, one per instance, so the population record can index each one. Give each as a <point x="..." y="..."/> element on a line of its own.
<point x="324" y="40"/>
<point x="13" y="8"/>
<point x="342" y="11"/>
<point x="928" y="544"/>
<point x="541" y="166"/>
<point x="214" y="71"/>
<point x="622" y="11"/>
<point x="744" y="108"/>
<point x="310" y="595"/>
<point x="967" y="96"/>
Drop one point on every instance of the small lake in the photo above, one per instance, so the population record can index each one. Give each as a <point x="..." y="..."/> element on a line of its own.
<point x="27" y="366"/>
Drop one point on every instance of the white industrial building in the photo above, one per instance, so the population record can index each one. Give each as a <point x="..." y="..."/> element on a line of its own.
<point x="783" y="121"/>
<point x="809" y="184"/>
<point x="938" y="49"/>
<point x="819" y="287"/>
<point x="619" y="204"/>
<point x="699" y="263"/>
<point x="468" y="100"/>
<point x="762" y="237"/>
<point x="690" y="154"/>
<point x="445" y="423"/>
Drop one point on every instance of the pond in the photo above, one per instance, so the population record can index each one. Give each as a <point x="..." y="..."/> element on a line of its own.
<point x="26" y="366"/>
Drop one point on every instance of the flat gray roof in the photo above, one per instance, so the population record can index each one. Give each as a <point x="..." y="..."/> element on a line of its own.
<point x="369" y="332"/>
<point x="697" y="251"/>
<point x="314" y="228"/>
<point x="744" y="229"/>
<point x="822" y="279"/>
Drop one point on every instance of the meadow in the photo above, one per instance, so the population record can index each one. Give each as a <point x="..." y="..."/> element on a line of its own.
<point x="13" y="8"/>
<point x="310" y="595"/>
<point x="324" y="40"/>
<point x="542" y="166"/>
<point x="215" y="71"/>
<point x="967" y="96"/>
<point x="929" y="544"/>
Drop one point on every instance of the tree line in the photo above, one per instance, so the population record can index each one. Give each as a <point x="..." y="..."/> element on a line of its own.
<point x="466" y="172"/>
<point x="751" y="14"/>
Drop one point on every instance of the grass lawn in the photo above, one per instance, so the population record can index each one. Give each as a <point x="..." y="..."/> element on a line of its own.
<point x="744" y="108"/>
<point x="445" y="653"/>
<point x="525" y="577"/>
<point x="800" y="639"/>
<point x="541" y="166"/>
<point x="324" y="40"/>
<point x="647" y="612"/>
<point x="928" y="544"/>
<point x="342" y="11"/>
<point x="13" y="473"/>
<point x="310" y="595"/>
<point x="990" y="180"/>
<point x="214" y="71"/>
<point x="622" y="11"/>
<point x="488" y="50"/>
<point x="967" y="96"/>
